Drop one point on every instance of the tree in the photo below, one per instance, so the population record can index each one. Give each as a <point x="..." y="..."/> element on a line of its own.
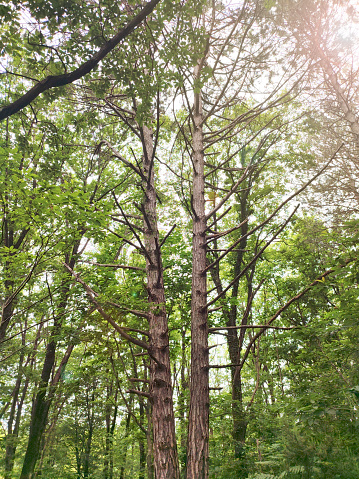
<point x="113" y="284"/>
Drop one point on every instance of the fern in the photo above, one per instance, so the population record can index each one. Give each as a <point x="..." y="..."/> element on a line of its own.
<point x="283" y="475"/>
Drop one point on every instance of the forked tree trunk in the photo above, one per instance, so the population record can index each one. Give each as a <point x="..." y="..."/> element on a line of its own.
<point x="164" y="438"/>
<point x="198" y="427"/>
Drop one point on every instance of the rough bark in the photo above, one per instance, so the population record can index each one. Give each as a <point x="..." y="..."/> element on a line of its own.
<point x="198" y="427"/>
<point x="164" y="439"/>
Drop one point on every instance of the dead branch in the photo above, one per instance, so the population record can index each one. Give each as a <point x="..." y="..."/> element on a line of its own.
<point x="167" y="235"/>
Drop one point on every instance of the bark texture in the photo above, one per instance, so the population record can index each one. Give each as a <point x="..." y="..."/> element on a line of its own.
<point x="164" y="438"/>
<point x="198" y="427"/>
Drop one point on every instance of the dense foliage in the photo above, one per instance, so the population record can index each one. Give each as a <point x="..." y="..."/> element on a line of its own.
<point x="108" y="343"/>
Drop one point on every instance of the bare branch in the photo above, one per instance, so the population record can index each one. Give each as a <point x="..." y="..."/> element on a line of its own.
<point x="319" y="280"/>
<point x="167" y="235"/>
<point x="138" y="380"/>
<point x="139" y="393"/>
<point x="118" y="155"/>
<point x="91" y="295"/>
<point x="244" y="270"/>
<point x="113" y="265"/>
<point x="216" y="236"/>
<point x="229" y="194"/>
<point x="253" y="230"/>
<point x="251" y="326"/>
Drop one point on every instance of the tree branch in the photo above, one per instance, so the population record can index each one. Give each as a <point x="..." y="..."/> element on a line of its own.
<point x="53" y="81"/>
<point x="253" y="230"/>
<point x="91" y="295"/>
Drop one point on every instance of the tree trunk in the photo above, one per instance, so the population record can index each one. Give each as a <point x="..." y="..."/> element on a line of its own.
<point x="88" y="443"/>
<point x="11" y="438"/>
<point x="13" y="243"/>
<point x="42" y="402"/>
<point x="141" y="444"/>
<point x="124" y="451"/>
<point x="8" y="310"/>
<point x="164" y="439"/>
<point x="149" y="441"/>
<point x="182" y="405"/>
<point x="110" y="429"/>
<point x="235" y="341"/>
<point x="235" y="344"/>
<point x="198" y="427"/>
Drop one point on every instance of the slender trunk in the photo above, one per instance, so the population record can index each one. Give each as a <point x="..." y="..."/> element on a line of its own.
<point x="198" y="426"/>
<point x="11" y="438"/>
<point x="43" y="400"/>
<point x="149" y="440"/>
<point x="110" y="428"/>
<point x="235" y="340"/>
<point x="8" y="310"/>
<point x="48" y="438"/>
<point x="9" y="241"/>
<point x="13" y="427"/>
<point x="77" y="450"/>
<point x="88" y="443"/>
<point x="235" y="343"/>
<point x="106" y="460"/>
<point x="182" y="405"/>
<point x="141" y="444"/>
<point x="124" y="454"/>
<point x="164" y="439"/>
<point x="235" y="348"/>
<point x="8" y="307"/>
